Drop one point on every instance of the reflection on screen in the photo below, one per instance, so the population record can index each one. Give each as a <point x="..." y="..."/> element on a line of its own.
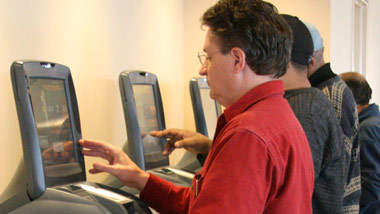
<point x="147" y="119"/>
<point x="53" y="127"/>
<point x="209" y="110"/>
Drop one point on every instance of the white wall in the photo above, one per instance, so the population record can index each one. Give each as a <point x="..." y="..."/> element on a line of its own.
<point x="341" y="35"/>
<point x="97" y="39"/>
<point x="341" y="41"/>
<point x="373" y="49"/>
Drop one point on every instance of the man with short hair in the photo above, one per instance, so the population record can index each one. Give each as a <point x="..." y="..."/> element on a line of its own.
<point x="260" y="160"/>
<point x="340" y="96"/>
<point x="369" y="123"/>
<point x="318" y="119"/>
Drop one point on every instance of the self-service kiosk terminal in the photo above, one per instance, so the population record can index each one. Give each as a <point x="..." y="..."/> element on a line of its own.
<point x="143" y="111"/>
<point x="206" y="110"/>
<point x="52" y="177"/>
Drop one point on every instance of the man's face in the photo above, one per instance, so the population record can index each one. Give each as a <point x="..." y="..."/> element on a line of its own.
<point x="218" y="69"/>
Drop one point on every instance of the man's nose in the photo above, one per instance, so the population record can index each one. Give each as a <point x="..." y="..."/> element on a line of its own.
<point x="203" y="70"/>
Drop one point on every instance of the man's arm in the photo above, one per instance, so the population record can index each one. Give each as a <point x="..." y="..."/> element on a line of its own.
<point x="192" y="141"/>
<point x="158" y="193"/>
<point x="119" y="164"/>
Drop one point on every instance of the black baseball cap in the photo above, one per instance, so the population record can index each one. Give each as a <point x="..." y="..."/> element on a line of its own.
<point x="302" y="48"/>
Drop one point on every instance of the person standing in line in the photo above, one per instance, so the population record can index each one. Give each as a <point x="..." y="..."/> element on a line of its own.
<point x="369" y="132"/>
<point x="318" y="119"/>
<point x="321" y="76"/>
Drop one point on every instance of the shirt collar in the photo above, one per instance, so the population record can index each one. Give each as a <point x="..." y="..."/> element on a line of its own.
<point x="370" y="111"/>
<point x="255" y="95"/>
<point x="322" y="74"/>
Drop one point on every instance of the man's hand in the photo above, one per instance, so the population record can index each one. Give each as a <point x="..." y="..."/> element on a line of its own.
<point x="189" y="140"/>
<point x="120" y="165"/>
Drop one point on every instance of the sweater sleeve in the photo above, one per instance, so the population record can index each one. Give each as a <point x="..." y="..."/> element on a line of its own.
<point x="329" y="188"/>
<point x="327" y="144"/>
<point x="315" y="138"/>
<point x="165" y="197"/>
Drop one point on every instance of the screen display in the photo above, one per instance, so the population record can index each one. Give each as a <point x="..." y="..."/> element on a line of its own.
<point x="209" y="110"/>
<point x="54" y="130"/>
<point x="147" y="118"/>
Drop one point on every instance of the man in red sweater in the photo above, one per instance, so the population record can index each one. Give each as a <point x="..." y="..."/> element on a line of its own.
<point x="259" y="160"/>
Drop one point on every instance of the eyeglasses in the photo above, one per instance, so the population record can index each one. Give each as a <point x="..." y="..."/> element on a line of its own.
<point x="203" y="57"/>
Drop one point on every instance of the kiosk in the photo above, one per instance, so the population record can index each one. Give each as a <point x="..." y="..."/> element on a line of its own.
<point x="143" y="112"/>
<point x="51" y="177"/>
<point x="206" y="110"/>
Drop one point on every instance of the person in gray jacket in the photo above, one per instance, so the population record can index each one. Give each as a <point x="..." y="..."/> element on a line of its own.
<point x="321" y="76"/>
<point x="319" y="121"/>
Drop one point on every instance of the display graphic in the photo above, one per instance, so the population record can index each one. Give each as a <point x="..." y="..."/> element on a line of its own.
<point x="52" y="121"/>
<point x="147" y="118"/>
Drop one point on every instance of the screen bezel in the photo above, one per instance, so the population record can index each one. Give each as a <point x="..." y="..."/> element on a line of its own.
<point x="126" y="80"/>
<point x="196" y="84"/>
<point x="21" y="72"/>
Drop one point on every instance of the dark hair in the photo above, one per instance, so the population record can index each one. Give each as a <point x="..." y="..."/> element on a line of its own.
<point x="299" y="67"/>
<point x="359" y="86"/>
<point x="256" y="27"/>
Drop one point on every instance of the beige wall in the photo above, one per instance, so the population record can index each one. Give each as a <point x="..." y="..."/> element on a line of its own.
<point x="194" y="38"/>
<point x="315" y="12"/>
<point x="97" y="39"/>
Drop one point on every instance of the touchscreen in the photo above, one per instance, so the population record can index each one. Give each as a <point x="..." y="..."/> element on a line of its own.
<point x="54" y="131"/>
<point x="209" y="110"/>
<point x="147" y="118"/>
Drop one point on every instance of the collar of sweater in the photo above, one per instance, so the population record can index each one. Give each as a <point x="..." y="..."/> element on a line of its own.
<point x="322" y="74"/>
<point x="371" y="111"/>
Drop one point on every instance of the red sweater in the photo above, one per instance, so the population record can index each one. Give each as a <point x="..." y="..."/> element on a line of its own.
<point x="259" y="162"/>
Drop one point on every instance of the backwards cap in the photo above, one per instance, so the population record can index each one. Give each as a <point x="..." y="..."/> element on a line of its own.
<point x="302" y="48"/>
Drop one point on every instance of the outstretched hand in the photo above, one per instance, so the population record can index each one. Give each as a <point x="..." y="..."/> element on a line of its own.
<point x="189" y="140"/>
<point x="119" y="164"/>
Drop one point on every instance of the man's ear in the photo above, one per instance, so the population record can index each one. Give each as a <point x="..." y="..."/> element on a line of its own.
<point x="311" y="66"/>
<point x="238" y="56"/>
